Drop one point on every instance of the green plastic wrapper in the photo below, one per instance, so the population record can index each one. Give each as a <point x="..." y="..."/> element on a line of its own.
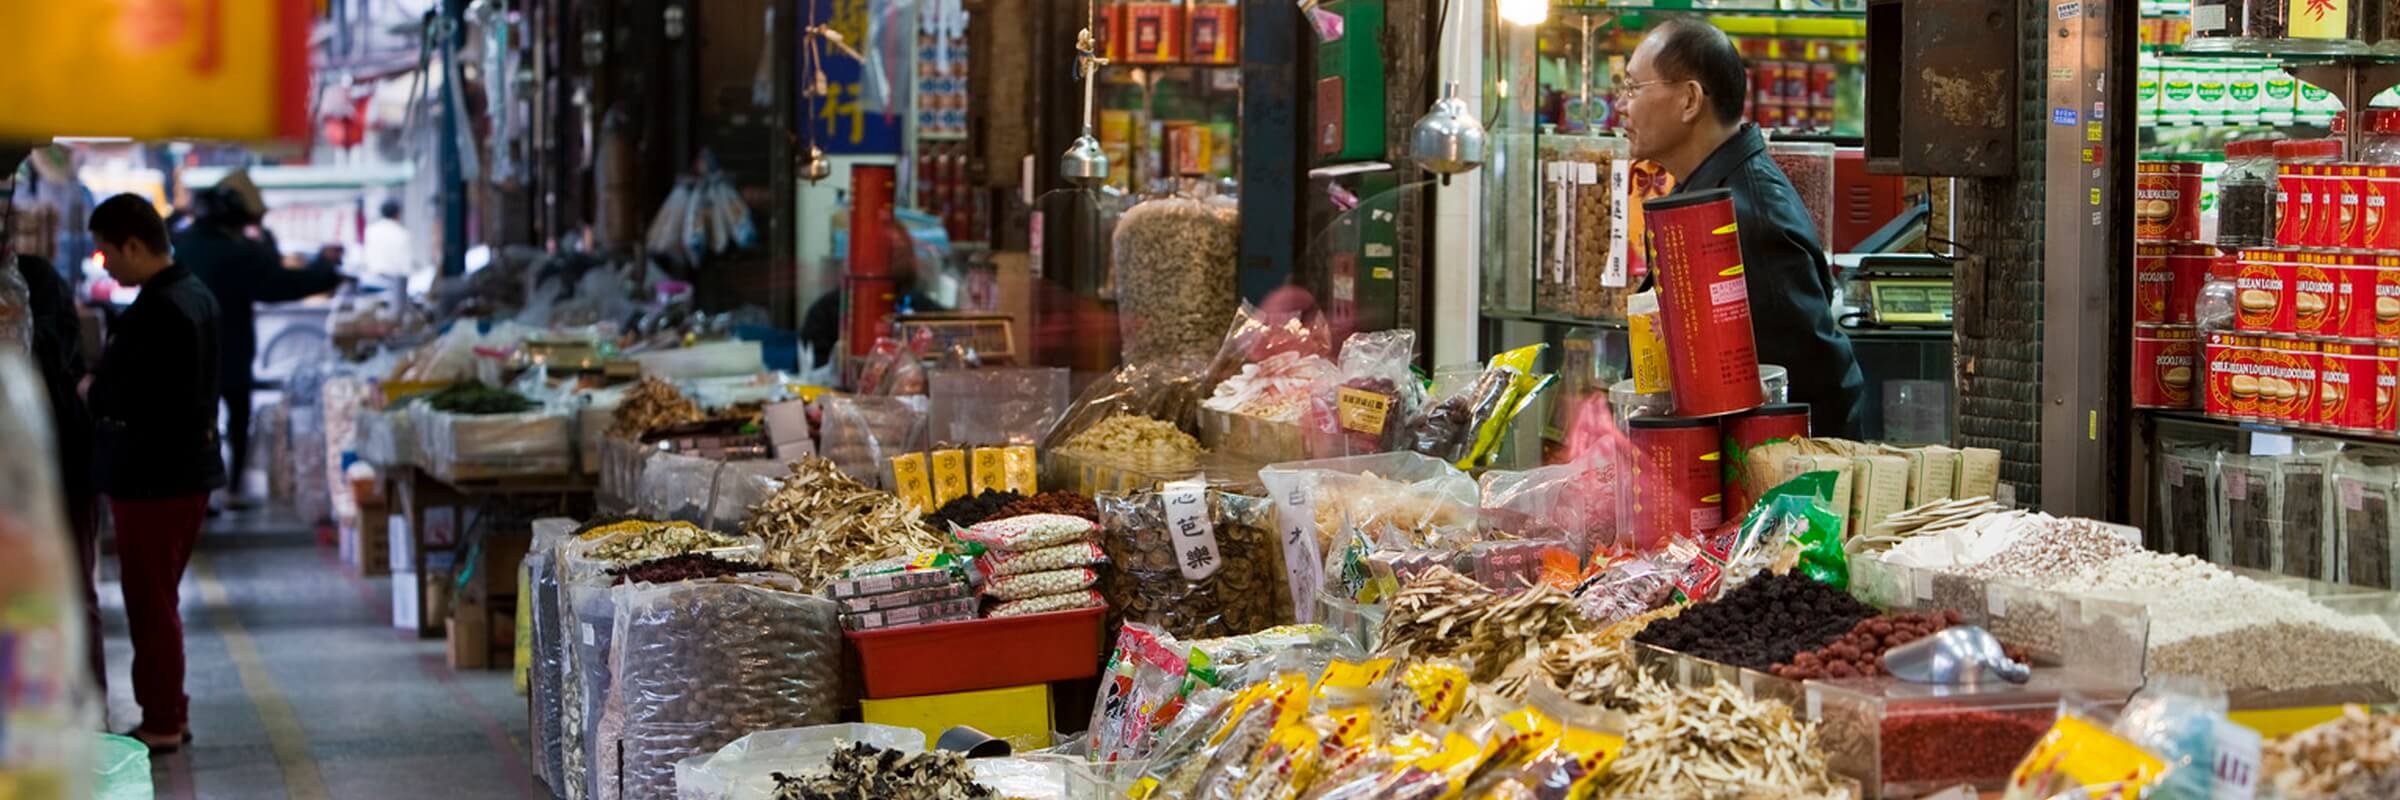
<point x="1800" y="512"/>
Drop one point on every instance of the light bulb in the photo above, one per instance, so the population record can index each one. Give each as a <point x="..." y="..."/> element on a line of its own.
<point x="1525" y="12"/>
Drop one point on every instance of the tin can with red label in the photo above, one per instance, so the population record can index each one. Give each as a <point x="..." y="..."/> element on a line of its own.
<point x="2325" y="205"/>
<point x="2354" y="297"/>
<point x="2383" y="305"/>
<point x="2315" y="291"/>
<point x="2166" y="281"/>
<point x="2381" y="199"/>
<point x="2166" y="200"/>
<point x="2346" y="386"/>
<point x="2262" y="292"/>
<point x="1679" y="481"/>
<point x="2348" y="182"/>
<point x="2292" y="199"/>
<point x="1750" y="429"/>
<point x="2287" y="379"/>
<point x="2385" y="412"/>
<point x="1215" y="33"/>
<point x="1153" y="33"/>
<point x="2230" y="375"/>
<point x="1704" y="299"/>
<point x="2166" y="363"/>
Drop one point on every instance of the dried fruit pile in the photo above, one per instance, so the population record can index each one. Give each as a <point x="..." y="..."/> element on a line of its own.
<point x="649" y="405"/>
<point x="820" y="521"/>
<point x="1761" y="623"/>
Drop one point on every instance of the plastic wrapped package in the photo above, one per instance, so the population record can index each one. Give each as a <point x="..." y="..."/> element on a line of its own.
<point x="465" y="447"/>
<point x="740" y="485"/>
<point x="1583" y="272"/>
<point x="1194" y="562"/>
<point x="994" y="406"/>
<point x="622" y="462"/>
<point x="2184" y="505"/>
<point x="2364" y="494"/>
<point x="745" y="769"/>
<point x="698" y="663"/>
<point x="1174" y="264"/>
<point x="1370" y="404"/>
<point x="387" y="437"/>
<point x="2245" y="534"/>
<point x="549" y="635"/>
<point x="1167" y="391"/>
<point x="2304" y="517"/>
<point x="47" y="711"/>
<point x="1404" y="492"/>
<point x="862" y="434"/>
<point x="1576" y="502"/>
<point x="705" y="360"/>
<point x="678" y="487"/>
<point x="312" y="498"/>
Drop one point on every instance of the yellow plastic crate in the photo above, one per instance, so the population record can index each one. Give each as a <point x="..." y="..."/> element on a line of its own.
<point x="1019" y="714"/>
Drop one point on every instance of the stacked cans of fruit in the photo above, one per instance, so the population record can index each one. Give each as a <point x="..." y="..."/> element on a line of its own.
<point x="2173" y="259"/>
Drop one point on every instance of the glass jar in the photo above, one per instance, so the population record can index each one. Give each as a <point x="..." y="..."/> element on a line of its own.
<point x="2246" y="195"/>
<point x="1583" y="270"/>
<point x="1809" y="165"/>
<point x="2381" y="145"/>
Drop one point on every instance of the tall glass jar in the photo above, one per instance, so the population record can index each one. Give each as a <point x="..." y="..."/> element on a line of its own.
<point x="1809" y="165"/>
<point x="2246" y="195"/>
<point x="1583" y="272"/>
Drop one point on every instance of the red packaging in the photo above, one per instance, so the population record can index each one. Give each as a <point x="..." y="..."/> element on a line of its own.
<point x="2166" y="281"/>
<point x="2292" y="199"/>
<point x="2316" y="289"/>
<point x="2348" y="183"/>
<point x="2262" y="292"/>
<point x="2346" y="385"/>
<point x="1112" y="30"/>
<point x="1678" y="485"/>
<point x="2287" y="379"/>
<point x="2230" y="375"/>
<point x="1215" y="33"/>
<point x="2165" y="365"/>
<point x="2382" y="197"/>
<point x="2354" y="296"/>
<point x="2166" y="201"/>
<point x="2325" y="205"/>
<point x="2384" y="309"/>
<point x="1750" y="429"/>
<point x="1704" y="300"/>
<point x="2382" y="416"/>
<point x="1153" y="33"/>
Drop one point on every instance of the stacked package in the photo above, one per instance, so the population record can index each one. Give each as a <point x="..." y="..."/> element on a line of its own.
<point x="917" y="589"/>
<point x="1037" y="563"/>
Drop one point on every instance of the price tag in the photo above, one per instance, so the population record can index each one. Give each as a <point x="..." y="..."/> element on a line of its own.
<point x="1923" y="579"/>
<point x="1361" y="410"/>
<point x="1296" y="520"/>
<point x="1188" y="525"/>
<point x="1620" y="183"/>
<point x="588" y="640"/>
<point x="2237" y="761"/>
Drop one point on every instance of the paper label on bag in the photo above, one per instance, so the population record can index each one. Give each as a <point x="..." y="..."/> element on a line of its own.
<point x="1995" y="600"/>
<point x="1194" y="535"/>
<point x="2237" y="763"/>
<point x="1923" y="578"/>
<point x="1363" y="411"/>
<point x="1296" y="519"/>
<point x="990" y="470"/>
<point x="1620" y="184"/>
<point x="1563" y="199"/>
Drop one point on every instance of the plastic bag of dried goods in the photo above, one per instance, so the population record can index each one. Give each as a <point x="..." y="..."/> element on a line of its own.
<point x="994" y="406"/>
<point x="1371" y="402"/>
<point x="862" y="434"/>
<point x="1397" y="491"/>
<point x="745" y="769"/>
<point x="1196" y="562"/>
<point x="550" y="637"/>
<point x="698" y="663"/>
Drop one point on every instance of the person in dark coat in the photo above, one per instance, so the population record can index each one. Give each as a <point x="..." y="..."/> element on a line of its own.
<point x="242" y="272"/>
<point x="154" y="404"/>
<point x="1681" y="106"/>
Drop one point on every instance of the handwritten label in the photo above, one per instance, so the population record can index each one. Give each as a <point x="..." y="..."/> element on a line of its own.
<point x="1363" y="411"/>
<point x="1620" y="183"/>
<point x="2354" y="495"/>
<point x="1194" y="535"/>
<point x="1303" y="566"/>
<point x="2237" y="766"/>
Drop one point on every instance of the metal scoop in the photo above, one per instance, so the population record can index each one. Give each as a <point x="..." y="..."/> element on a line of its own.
<point x="1957" y="655"/>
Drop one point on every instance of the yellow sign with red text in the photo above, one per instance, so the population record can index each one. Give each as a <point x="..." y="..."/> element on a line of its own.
<point x="156" y="69"/>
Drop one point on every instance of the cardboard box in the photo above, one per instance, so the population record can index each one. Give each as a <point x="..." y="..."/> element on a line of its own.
<point x="370" y="541"/>
<point x="498" y="558"/>
<point x="470" y="637"/>
<point x="1020" y="714"/>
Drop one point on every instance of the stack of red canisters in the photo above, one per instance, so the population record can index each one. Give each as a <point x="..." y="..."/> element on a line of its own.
<point x="1719" y="407"/>
<point x="2170" y="263"/>
<point x="2315" y="341"/>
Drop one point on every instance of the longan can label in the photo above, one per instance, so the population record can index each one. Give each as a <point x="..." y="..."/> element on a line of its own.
<point x="2166" y="201"/>
<point x="2316" y="294"/>
<point x="2261" y="295"/>
<point x="2166" y="365"/>
<point x="2346" y="386"/>
<point x="2231" y="380"/>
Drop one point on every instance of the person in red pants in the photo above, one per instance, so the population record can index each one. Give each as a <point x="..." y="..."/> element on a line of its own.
<point x="154" y="407"/>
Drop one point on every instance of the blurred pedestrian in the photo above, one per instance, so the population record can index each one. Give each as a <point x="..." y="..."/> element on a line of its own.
<point x="154" y="401"/>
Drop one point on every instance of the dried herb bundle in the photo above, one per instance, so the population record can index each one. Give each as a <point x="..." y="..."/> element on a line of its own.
<point x="821" y="521"/>
<point x="1442" y="614"/>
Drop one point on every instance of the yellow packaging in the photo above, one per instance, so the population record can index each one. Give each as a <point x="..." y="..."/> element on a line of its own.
<point x="913" y="482"/>
<point x="1439" y="690"/>
<point x="949" y="476"/>
<point x="1023" y="469"/>
<point x="990" y="470"/>
<point x="1647" y="339"/>
<point x="2077" y="753"/>
<point x="1019" y="714"/>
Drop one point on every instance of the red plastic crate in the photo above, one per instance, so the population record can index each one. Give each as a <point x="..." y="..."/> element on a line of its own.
<point x="967" y="655"/>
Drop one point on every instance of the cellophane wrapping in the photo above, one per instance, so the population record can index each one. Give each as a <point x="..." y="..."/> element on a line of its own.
<point x="544" y="681"/>
<point x="700" y="663"/>
<point x="473" y="446"/>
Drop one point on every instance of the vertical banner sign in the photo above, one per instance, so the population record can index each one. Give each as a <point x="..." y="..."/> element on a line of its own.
<point x="1194" y="534"/>
<point x="841" y="121"/>
<point x="1303" y="567"/>
<point x="232" y="70"/>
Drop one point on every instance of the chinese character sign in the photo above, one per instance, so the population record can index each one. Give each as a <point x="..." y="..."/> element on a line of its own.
<point x="842" y="121"/>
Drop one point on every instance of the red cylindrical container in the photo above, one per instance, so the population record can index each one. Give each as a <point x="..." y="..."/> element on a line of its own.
<point x="1696" y="257"/>
<point x="1678" y="486"/>
<point x="2166" y="201"/>
<point x="1750" y="429"/>
<point x="870" y="291"/>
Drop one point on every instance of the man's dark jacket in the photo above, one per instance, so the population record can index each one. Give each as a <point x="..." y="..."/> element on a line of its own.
<point x="154" y="398"/>
<point x="243" y="273"/>
<point x="58" y="350"/>
<point x="1791" y="290"/>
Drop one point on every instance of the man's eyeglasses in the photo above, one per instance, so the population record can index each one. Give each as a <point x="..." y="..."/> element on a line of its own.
<point x="1626" y="90"/>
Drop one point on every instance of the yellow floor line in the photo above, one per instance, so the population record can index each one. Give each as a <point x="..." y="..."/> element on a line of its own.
<point x="284" y="736"/>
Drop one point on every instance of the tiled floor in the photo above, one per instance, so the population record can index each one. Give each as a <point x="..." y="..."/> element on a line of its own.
<point x="301" y="689"/>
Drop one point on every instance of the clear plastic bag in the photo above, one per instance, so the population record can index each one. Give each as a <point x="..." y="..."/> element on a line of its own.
<point x="50" y="708"/>
<point x="1168" y="391"/>
<point x="1384" y="492"/>
<point x="994" y="406"/>
<point x="677" y="487"/>
<point x="1161" y="574"/>
<point x="1259" y="334"/>
<point x="1373" y="401"/>
<point x="549" y="633"/>
<point x="1575" y="501"/>
<point x="744" y="769"/>
<point x="474" y="446"/>
<point x="862" y="434"/>
<point x="698" y="663"/>
<point x="740" y="485"/>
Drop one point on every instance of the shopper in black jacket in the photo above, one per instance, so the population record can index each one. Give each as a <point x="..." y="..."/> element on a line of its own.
<point x="154" y="398"/>
<point x="1681" y="103"/>
<point x="242" y="272"/>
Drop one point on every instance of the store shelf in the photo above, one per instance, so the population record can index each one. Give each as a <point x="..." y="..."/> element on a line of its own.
<point x="1555" y="319"/>
<point x="2188" y="417"/>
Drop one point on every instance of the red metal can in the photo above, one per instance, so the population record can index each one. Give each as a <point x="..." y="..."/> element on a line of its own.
<point x="2231" y="375"/>
<point x="2165" y="365"/>
<point x="2262" y="292"/>
<point x="2166" y="201"/>
<point x="2346" y="386"/>
<point x="2317" y="285"/>
<point x="1678" y="485"/>
<point x="1704" y="299"/>
<point x="2166" y="281"/>
<point x="1750" y="429"/>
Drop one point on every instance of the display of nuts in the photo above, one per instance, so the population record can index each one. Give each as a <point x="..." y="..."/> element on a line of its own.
<point x="1174" y="277"/>
<point x="2177" y="376"/>
<point x="2261" y="300"/>
<point x="2244" y="385"/>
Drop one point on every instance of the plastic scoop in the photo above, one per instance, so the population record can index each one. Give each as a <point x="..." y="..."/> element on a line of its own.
<point x="1956" y="655"/>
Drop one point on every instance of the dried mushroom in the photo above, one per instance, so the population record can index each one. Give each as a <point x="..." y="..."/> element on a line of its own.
<point x="865" y="772"/>
<point x="821" y="521"/>
<point x="1151" y="564"/>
